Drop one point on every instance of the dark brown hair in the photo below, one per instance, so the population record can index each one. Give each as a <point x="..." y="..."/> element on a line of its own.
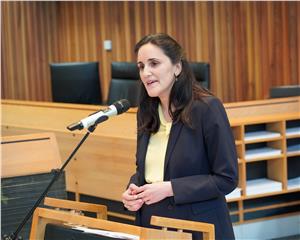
<point x="182" y="94"/>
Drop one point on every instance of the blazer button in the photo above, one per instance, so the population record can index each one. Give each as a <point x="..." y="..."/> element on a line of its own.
<point x="170" y="207"/>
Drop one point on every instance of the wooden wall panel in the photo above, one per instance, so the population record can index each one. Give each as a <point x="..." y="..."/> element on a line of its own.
<point x="26" y="50"/>
<point x="251" y="46"/>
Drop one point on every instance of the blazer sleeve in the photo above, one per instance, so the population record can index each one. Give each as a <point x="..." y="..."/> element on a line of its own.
<point x="133" y="179"/>
<point x="221" y="155"/>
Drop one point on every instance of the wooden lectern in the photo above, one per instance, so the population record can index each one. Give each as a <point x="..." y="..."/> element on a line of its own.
<point x="29" y="154"/>
<point x="43" y="216"/>
<point x="27" y="161"/>
<point x="206" y="228"/>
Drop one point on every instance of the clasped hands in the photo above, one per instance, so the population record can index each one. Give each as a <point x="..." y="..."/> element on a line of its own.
<point x="134" y="197"/>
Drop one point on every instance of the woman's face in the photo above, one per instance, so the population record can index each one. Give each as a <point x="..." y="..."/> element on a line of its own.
<point x="156" y="71"/>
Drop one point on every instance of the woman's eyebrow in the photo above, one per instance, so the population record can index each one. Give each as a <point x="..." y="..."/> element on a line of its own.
<point x="148" y="60"/>
<point x="151" y="59"/>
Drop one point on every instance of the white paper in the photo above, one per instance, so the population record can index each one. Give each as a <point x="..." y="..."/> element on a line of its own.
<point x="111" y="234"/>
<point x="260" y="135"/>
<point x="292" y="131"/>
<point x="293" y="148"/>
<point x="262" y="152"/>
<point x="236" y="193"/>
<point x="294" y="183"/>
<point x="262" y="185"/>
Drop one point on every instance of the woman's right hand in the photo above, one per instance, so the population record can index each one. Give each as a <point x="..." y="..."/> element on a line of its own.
<point x="130" y="199"/>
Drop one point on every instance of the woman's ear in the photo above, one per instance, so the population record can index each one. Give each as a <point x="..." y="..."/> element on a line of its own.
<point x="178" y="69"/>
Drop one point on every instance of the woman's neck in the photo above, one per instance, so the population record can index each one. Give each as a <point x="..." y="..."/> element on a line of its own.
<point x="165" y="110"/>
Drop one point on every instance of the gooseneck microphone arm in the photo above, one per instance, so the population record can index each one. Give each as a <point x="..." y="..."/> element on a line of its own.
<point x="58" y="172"/>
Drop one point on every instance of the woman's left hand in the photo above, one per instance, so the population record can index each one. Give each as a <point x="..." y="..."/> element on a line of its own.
<point x="155" y="192"/>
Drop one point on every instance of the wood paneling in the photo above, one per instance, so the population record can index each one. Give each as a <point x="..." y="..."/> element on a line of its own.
<point x="251" y="46"/>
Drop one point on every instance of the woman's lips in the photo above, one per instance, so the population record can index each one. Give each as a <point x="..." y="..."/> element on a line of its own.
<point x="149" y="83"/>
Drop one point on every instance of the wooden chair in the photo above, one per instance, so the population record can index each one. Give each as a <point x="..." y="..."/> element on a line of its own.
<point x="43" y="216"/>
<point x="207" y="229"/>
<point x="77" y="207"/>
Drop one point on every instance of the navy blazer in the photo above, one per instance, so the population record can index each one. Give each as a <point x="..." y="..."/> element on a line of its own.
<point x="201" y="163"/>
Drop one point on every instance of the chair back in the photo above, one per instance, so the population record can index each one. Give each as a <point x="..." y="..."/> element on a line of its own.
<point x="76" y="82"/>
<point x="207" y="229"/>
<point x="285" y="91"/>
<point x="201" y="71"/>
<point x="77" y="207"/>
<point x="125" y="83"/>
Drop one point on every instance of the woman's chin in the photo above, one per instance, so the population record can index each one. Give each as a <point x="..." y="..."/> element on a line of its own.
<point x="152" y="93"/>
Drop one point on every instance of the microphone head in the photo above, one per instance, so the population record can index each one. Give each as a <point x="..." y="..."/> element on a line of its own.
<point x="122" y="106"/>
<point x="75" y="126"/>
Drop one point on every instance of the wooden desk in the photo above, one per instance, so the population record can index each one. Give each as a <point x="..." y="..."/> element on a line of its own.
<point x="107" y="153"/>
<point x="105" y="162"/>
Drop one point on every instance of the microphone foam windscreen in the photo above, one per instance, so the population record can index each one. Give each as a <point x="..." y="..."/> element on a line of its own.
<point x="122" y="105"/>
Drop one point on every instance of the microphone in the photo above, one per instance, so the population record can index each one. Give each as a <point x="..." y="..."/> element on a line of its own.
<point x="117" y="108"/>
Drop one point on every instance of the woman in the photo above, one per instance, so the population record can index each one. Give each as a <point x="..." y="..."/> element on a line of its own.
<point x="186" y="158"/>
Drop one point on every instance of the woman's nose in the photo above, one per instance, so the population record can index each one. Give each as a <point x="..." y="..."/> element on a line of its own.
<point x="146" y="71"/>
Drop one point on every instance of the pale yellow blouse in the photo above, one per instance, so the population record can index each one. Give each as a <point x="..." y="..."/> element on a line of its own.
<point x="156" y="152"/>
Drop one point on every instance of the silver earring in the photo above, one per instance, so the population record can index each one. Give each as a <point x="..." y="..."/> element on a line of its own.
<point x="176" y="78"/>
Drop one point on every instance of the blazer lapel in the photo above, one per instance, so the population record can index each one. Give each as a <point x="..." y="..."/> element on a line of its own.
<point x="174" y="134"/>
<point x="143" y="145"/>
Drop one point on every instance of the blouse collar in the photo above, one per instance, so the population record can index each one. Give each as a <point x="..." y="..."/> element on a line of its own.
<point x="166" y="125"/>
